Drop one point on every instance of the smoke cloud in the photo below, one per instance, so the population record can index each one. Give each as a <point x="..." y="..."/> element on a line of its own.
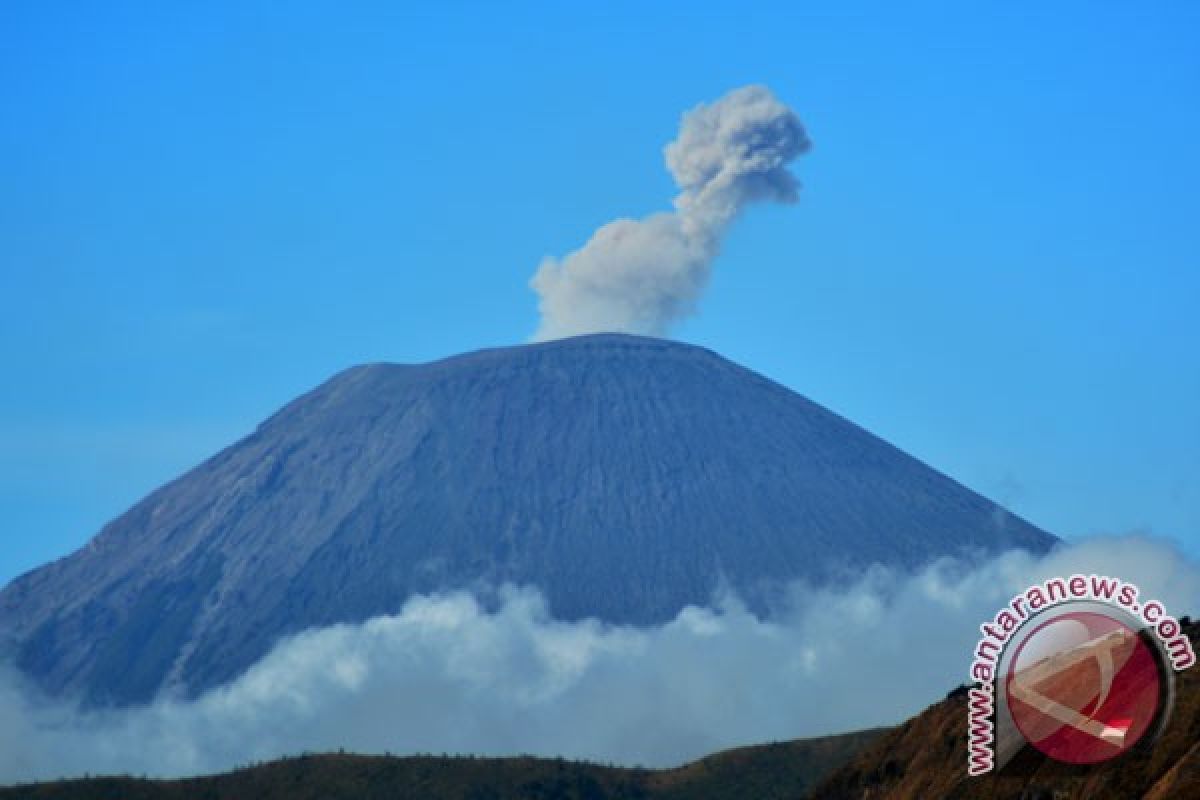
<point x="446" y="675"/>
<point x="640" y="276"/>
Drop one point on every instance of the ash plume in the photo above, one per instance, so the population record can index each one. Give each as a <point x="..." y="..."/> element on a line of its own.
<point x="643" y="275"/>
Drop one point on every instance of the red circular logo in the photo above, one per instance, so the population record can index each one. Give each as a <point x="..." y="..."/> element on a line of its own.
<point x="1084" y="687"/>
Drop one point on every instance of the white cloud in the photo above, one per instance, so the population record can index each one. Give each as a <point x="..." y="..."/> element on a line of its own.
<point x="447" y="675"/>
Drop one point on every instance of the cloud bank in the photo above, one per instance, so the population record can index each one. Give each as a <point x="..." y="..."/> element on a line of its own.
<point x="640" y="276"/>
<point x="446" y="675"/>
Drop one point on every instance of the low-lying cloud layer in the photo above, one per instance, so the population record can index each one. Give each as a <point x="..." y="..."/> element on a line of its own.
<point x="640" y="276"/>
<point x="447" y="675"/>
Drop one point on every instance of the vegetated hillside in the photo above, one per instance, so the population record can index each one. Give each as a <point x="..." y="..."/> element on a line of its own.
<point x="926" y="758"/>
<point x="625" y="477"/>
<point x="782" y="771"/>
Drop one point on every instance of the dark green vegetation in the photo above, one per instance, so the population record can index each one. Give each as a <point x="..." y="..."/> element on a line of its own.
<point x="783" y="771"/>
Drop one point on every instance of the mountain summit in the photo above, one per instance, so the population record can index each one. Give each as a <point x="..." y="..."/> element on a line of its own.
<point x="626" y="477"/>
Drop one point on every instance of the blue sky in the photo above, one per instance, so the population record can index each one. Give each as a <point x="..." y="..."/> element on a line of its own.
<point x="206" y="211"/>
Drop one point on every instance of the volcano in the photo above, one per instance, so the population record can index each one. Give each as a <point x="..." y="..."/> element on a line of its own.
<point x="625" y="477"/>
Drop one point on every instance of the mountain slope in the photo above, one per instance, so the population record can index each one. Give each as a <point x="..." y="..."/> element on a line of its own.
<point x="782" y="771"/>
<point x="624" y="476"/>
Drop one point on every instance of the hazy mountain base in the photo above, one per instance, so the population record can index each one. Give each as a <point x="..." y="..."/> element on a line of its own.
<point x="781" y="771"/>
<point x="449" y="676"/>
<point x="923" y="758"/>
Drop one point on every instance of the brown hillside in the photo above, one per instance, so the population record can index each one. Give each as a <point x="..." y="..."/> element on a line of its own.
<point x="926" y="758"/>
